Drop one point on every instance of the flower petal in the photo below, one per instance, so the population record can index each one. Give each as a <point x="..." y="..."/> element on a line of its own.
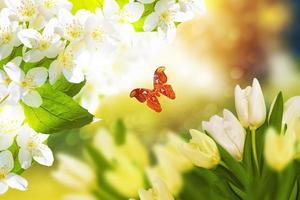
<point x="24" y="134"/>
<point x="5" y="50"/>
<point x="74" y="76"/>
<point x="134" y="11"/>
<point x="6" y="160"/>
<point x="3" y="187"/>
<point x="25" y="158"/>
<point x="43" y="155"/>
<point x="54" y="72"/>
<point x="32" y="98"/>
<point x="110" y="8"/>
<point x="6" y="140"/>
<point x="33" y="56"/>
<point x="151" y="22"/>
<point x="29" y="37"/>
<point x="17" y="182"/>
<point x="13" y="70"/>
<point x="38" y="76"/>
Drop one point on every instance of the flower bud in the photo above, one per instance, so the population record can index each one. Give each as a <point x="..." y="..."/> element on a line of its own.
<point x="250" y="105"/>
<point x="159" y="191"/>
<point x="201" y="150"/>
<point x="228" y="132"/>
<point x="279" y="149"/>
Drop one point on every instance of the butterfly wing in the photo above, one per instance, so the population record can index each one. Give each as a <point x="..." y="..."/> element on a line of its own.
<point x="140" y="94"/>
<point x="168" y="91"/>
<point x="160" y="77"/>
<point x="143" y="95"/>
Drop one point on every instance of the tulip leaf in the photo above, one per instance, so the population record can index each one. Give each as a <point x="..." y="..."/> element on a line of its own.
<point x="58" y="112"/>
<point x="120" y="132"/>
<point x="234" y="166"/>
<point x="276" y="112"/>
<point x="71" y="89"/>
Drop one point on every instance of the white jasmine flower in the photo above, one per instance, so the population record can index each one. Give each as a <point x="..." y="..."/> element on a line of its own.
<point x="8" y="179"/>
<point x="25" y="10"/>
<point x="46" y="44"/>
<point x="70" y="62"/>
<point x="72" y="27"/>
<point x="11" y="119"/>
<point x="228" y="132"/>
<point x="100" y="33"/>
<point x="130" y="13"/>
<point x="191" y="7"/>
<point x="32" y="146"/>
<point x="27" y="84"/>
<point x="166" y="13"/>
<point x="8" y="36"/>
<point x="250" y="105"/>
<point x="50" y="8"/>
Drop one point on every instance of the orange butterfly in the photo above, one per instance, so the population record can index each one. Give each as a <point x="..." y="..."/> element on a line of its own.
<point x="160" y="87"/>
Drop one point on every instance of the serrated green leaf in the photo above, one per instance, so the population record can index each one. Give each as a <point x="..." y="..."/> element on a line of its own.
<point x="276" y="112"/>
<point x="71" y="89"/>
<point x="58" y="112"/>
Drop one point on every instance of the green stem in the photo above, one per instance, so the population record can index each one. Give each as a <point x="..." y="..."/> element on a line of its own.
<point x="254" y="148"/>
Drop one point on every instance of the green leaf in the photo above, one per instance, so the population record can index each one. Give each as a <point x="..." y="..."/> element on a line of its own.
<point x="234" y="166"/>
<point x="71" y="89"/>
<point x="276" y="112"/>
<point x="58" y="112"/>
<point x="120" y="132"/>
<point x="90" y="5"/>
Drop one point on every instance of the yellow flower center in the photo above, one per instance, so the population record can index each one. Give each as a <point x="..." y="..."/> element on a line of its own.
<point x="27" y="82"/>
<point x="97" y="34"/>
<point x="31" y="144"/>
<point x="165" y="16"/>
<point x="49" y="4"/>
<point x="66" y="58"/>
<point x="3" y="173"/>
<point x="6" y="34"/>
<point x="74" y="30"/>
<point x="43" y="45"/>
<point x="27" y="8"/>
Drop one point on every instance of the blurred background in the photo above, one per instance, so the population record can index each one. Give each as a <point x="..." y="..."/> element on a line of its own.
<point x="231" y="44"/>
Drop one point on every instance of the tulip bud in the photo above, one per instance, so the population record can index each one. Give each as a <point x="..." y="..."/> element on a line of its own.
<point x="250" y="105"/>
<point x="74" y="173"/>
<point x="166" y="172"/>
<point x="291" y="109"/>
<point x="169" y="153"/>
<point x="279" y="149"/>
<point x="228" y="132"/>
<point x="158" y="192"/>
<point x="201" y="150"/>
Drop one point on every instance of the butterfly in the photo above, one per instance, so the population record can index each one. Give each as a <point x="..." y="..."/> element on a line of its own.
<point x="160" y="87"/>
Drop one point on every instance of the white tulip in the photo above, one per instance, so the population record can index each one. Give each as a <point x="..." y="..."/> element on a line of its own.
<point x="201" y="150"/>
<point x="46" y="44"/>
<point x="170" y="153"/>
<point x="27" y="84"/>
<point x="168" y="174"/>
<point x="250" y="105"/>
<point x="11" y="119"/>
<point x="291" y="109"/>
<point x="158" y="192"/>
<point x="166" y="13"/>
<point x="279" y="149"/>
<point x="80" y="177"/>
<point x="8" y="36"/>
<point x="32" y="147"/>
<point x="7" y="178"/>
<point x="228" y="132"/>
